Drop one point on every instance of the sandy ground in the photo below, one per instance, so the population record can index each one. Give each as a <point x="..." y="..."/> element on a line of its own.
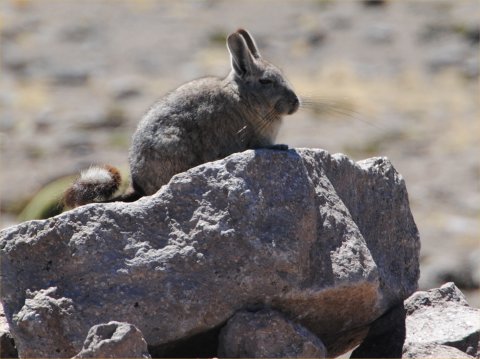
<point x="400" y="80"/>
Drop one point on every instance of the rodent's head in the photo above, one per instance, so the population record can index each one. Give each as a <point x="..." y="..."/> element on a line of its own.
<point x="261" y="83"/>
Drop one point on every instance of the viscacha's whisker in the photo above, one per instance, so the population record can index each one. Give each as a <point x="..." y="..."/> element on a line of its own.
<point x="338" y="107"/>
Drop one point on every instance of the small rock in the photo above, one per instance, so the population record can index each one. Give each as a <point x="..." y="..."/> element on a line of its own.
<point x="77" y="33"/>
<point x="449" y="266"/>
<point x="71" y="77"/>
<point x="7" y="122"/>
<point x="445" y="57"/>
<point x="444" y="295"/>
<point x="471" y="68"/>
<point x="341" y="22"/>
<point x="78" y="143"/>
<point x="434" y="31"/>
<point x="317" y="37"/>
<point x="40" y="316"/>
<point x="472" y="34"/>
<point x="475" y="265"/>
<point x="267" y="334"/>
<point x="442" y="316"/>
<point x="380" y="33"/>
<point x="114" y="340"/>
<point x="98" y="118"/>
<point x="14" y="31"/>
<point x="17" y="62"/>
<point x="44" y="121"/>
<point x="432" y="351"/>
<point x="125" y="87"/>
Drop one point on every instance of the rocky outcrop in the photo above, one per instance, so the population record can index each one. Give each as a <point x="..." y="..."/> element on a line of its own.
<point x="114" y="340"/>
<point x="328" y="243"/>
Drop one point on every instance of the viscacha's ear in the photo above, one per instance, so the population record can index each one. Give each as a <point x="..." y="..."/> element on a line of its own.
<point x="250" y="43"/>
<point x="240" y="55"/>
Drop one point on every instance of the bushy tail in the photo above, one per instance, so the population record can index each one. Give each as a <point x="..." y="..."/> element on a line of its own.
<point x="96" y="184"/>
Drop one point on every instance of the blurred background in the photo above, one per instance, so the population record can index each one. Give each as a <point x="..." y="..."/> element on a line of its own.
<point x="387" y="78"/>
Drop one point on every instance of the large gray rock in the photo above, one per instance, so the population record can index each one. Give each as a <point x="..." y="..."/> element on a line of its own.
<point x="328" y="242"/>
<point x="267" y="334"/>
<point x="442" y="316"/>
<point x="114" y="340"/>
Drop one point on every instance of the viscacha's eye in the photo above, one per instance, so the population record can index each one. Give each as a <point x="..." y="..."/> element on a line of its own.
<point x="265" y="81"/>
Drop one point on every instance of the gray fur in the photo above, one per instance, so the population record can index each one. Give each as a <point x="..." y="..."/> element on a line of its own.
<point x="211" y="118"/>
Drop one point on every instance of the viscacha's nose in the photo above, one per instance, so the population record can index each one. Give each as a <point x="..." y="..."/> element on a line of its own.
<point x="295" y="103"/>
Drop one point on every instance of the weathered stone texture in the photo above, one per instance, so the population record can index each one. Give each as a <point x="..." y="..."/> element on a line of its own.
<point x="432" y="351"/>
<point x="442" y="316"/>
<point x="267" y="334"/>
<point x="329" y="243"/>
<point x="114" y="340"/>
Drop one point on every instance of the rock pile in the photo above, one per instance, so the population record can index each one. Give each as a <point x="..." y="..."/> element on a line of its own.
<point x="309" y="243"/>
